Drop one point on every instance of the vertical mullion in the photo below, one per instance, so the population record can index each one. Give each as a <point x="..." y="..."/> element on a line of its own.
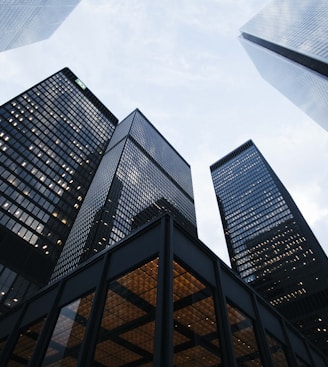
<point x="44" y="338"/>
<point x="291" y="357"/>
<point x="163" y="350"/>
<point x="228" y="355"/>
<point x="261" y="335"/>
<point x="12" y="337"/>
<point x="96" y="313"/>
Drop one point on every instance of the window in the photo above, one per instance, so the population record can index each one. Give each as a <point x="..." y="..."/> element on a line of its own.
<point x="25" y="344"/>
<point x="243" y="338"/>
<point x="68" y="334"/>
<point x="195" y="334"/>
<point x="277" y="350"/>
<point x="126" y="334"/>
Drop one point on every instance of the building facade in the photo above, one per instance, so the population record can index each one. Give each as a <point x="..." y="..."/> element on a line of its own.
<point x="271" y="247"/>
<point x="52" y="139"/>
<point x="288" y="45"/>
<point x="23" y="23"/>
<point x="172" y="304"/>
<point x="140" y="176"/>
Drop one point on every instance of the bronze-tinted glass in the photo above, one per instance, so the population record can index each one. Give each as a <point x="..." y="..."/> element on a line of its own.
<point x="126" y="335"/>
<point x="277" y="350"/>
<point x="195" y="336"/>
<point x="68" y="334"/>
<point x="244" y="339"/>
<point x="25" y="344"/>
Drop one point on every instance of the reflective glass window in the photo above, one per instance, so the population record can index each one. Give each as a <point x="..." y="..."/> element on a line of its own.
<point x="277" y="350"/>
<point x="126" y="335"/>
<point x="68" y="334"/>
<point x="25" y="344"/>
<point x="243" y="338"/>
<point x="195" y="335"/>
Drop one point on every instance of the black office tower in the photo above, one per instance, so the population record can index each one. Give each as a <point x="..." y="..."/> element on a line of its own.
<point x="140" y="176"/>
<point x="287" y="43"/>
<point x="52" y="139"/>
<point x="159" y="298"/>
<point x="270" y="244"/>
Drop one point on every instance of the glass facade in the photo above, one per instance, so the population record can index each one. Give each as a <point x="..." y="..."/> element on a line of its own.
<point x="67" y="337"/>
<point x="52" y="139"/>
<point x="25" y="345"/>
<point x="270" y="245"/>
<point x="195" y="333"/>
<point x="140" y="176"/>
<point x="172" y="304"/>
<point x="287" y="43"/>
<point x="244" y="340"/>
<point x="278" y="351"/>
<point x="300" y="27"/>
<point x="22" y="23"/>
<point x="127" y="329"/>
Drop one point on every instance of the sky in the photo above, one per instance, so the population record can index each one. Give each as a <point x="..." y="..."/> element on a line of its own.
<point x="180" y="63"/>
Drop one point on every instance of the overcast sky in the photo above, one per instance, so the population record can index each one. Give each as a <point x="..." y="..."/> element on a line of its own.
<point x="180" y="62"/>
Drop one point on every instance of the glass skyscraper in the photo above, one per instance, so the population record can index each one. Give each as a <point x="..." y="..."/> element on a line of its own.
<point x="140" y="176"/>
<point x="29" y="21"/>
<point x="159" y="298"/>
<point x="270" y="244"/>
<point x="52" y="139"/>
<point x="287" y="42"/>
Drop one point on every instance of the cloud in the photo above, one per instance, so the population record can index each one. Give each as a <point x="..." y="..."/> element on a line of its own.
<point x="181" y="64"/>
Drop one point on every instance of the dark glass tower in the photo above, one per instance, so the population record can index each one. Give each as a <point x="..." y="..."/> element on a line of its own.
<point x="159" y="298"/>
<point x="287" y="43"/>
<point x="270" y="244"/>
<point x="140" y="176"/>
<point x="52" y="139"/>
<point x="29" y="21"/>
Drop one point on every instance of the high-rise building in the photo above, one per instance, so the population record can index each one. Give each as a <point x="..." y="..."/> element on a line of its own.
<point x="158" y="298"/>
<point x="287" y="43"/>
<point x="140" y="176"/>
<point x="270" y="244"/>
<point x="29" y="21"/>
<point x="52" y="139"/>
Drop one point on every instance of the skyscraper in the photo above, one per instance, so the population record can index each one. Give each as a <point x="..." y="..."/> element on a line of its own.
<point x="140" y="176"/>
<point x="287" y="43"/>
<point x="29" y="21"/>
<point x="158" y="298"/>
<point x="270" y="244"/>
<point x="52" y="139"/>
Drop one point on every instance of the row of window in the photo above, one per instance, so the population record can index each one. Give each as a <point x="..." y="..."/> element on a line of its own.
<point x="125" y="332"/>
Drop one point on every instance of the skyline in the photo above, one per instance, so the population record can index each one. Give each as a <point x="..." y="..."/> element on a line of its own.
<point x="183" y="66"/>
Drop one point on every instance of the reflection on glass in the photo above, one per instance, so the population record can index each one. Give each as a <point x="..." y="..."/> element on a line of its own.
<point x="68" y="334"/>
<point x="25" y="345"/>
<point x="126" y="335"/>
<point x="244" y="340"/>
<point x="195" y="334"/>
<point x="277" y="350"/>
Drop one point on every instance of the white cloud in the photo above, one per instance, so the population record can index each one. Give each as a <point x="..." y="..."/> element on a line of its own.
<point x="181" y="64"/>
